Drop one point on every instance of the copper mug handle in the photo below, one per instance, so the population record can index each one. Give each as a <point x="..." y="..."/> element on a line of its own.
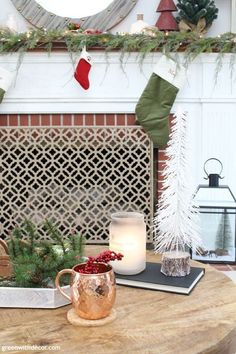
<point x="57" y="281"/>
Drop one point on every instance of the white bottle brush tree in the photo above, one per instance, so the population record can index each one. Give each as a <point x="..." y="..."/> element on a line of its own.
<point x="176" y="220"/>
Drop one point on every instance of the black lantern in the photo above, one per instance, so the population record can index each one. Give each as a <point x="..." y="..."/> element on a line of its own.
<point x="217" y="206"/>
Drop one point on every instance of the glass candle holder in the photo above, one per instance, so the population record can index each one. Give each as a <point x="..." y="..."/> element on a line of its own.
<point x="128" y="236"/>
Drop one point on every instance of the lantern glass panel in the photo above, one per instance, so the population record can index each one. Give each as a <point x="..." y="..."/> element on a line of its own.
<point x="219" y="196"/>
<point x="217" y="223"/>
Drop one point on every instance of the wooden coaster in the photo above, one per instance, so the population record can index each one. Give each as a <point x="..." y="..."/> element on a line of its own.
<point x="75" y="320"/>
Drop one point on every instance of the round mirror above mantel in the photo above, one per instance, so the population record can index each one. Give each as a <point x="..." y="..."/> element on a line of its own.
<point x="109" y="13"/>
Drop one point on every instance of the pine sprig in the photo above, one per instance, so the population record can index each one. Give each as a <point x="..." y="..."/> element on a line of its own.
<point x="36" y="262"/>
<point x="13" y="244"/>
<point x="76" y="241"/>
<point x="55" y="234"/>
<point x="30" y="230"/>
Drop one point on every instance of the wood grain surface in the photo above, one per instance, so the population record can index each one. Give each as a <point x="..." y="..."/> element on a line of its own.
<point x="147" y="322"/>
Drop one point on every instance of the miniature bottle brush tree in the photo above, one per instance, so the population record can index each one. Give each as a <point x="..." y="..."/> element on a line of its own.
<point x="196" y="15"/>
<point x="176" y="219"/>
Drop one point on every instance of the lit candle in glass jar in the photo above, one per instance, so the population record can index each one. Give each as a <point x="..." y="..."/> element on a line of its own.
<point x="128" y="236"/>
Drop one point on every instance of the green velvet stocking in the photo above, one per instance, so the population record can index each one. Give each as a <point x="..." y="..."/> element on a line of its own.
<point x="153" y="109"/>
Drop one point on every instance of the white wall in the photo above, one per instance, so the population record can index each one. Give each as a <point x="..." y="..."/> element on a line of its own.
<point x="146" y="7"/>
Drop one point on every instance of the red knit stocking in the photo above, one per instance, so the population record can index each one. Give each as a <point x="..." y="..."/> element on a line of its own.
<point x="82" y="70"/>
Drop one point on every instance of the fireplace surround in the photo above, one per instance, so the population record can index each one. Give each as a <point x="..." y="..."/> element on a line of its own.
<point x="45" y="96"/>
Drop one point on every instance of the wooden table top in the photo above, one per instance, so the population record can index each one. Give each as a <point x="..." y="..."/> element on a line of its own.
<point x="147" y="322"/>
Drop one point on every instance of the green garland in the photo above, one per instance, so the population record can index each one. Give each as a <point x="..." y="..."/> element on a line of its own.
<point x="168" y="42"/>
<point x="189" y="43"/>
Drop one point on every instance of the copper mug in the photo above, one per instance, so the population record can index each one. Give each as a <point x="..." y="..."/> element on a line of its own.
<point x="92" y="295"/>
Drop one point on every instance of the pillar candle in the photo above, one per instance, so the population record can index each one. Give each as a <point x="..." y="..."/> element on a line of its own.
<point x="128" y="236"/>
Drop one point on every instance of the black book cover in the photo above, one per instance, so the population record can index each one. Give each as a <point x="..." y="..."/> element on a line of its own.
<point x="152" y="278"/>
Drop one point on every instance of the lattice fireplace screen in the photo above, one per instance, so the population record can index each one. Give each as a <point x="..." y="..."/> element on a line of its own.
<point x="75" y="177"/>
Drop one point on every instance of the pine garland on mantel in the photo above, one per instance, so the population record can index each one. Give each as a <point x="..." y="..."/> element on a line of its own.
<point x="190" y="43"/>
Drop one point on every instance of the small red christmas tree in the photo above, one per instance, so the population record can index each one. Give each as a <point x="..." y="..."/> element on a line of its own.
<point x="166" y="21"/>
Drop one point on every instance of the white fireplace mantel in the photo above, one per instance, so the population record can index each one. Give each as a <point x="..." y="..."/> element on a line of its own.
<point x="45" y="84"/>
